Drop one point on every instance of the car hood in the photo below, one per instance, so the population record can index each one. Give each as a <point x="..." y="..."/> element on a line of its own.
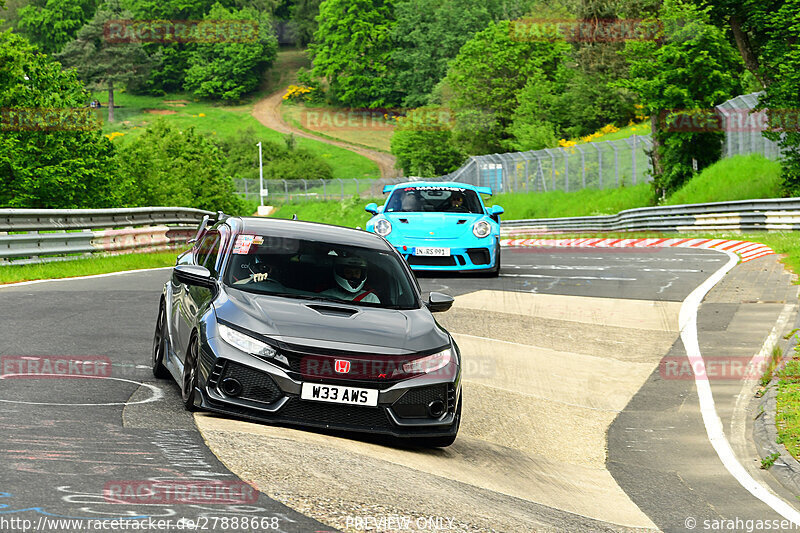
<point x="329" y="325"/>
<point x="433" y="225"/>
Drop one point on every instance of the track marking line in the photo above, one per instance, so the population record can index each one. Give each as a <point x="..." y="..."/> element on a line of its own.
<point x="711" y="420"/>
<point x="107" y="274"/>
<point x="155" y="392"/>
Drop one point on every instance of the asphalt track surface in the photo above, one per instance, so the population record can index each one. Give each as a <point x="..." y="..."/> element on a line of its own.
<point x="62" y="441"/>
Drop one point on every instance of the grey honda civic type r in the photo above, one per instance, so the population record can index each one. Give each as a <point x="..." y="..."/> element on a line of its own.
<point x="307" y="324"/>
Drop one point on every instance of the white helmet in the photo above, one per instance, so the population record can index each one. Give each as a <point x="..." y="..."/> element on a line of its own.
<point x="350" y="273"/>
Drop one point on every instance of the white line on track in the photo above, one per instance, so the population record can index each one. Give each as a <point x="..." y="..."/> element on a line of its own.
<point x="714" y="428"/>
<point x="108" y="274"/>
<point x="542" y="276"/>
<point x="155" y="393"/>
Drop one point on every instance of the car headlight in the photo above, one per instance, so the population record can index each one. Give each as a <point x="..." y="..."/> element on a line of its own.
<point x="383" y="227"/>
<point x="248" y="344"/>
<point x="481" y="229"/>
<point x="427" y="364"/>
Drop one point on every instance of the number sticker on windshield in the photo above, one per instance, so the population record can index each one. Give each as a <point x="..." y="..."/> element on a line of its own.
<point x="242" y="244"/>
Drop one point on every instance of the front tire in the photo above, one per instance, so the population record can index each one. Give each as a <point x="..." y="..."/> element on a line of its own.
<point x="189" y="381"/>
<point x="495" y="272"/>
<point x="160" y="344"/>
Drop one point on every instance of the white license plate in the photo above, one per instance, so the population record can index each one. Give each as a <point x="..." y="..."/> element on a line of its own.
<point x="338" y="394"/>
<point x="440" y="252"/>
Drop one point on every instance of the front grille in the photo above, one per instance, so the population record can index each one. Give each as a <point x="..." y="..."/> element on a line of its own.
<point x="256" y="386"/>
<point x="424" y="260"/>
<point x="414" y="403"/>
<point x="479" y="256"/>
<point x="297" y="410"/>
<point x="366" y="371"/>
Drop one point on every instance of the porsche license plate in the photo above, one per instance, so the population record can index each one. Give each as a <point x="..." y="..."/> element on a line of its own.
<point x="338" y="394"/>
<point x="439" y="252"/>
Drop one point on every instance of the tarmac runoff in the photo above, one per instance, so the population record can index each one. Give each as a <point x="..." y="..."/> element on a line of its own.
<point x="531" y="450"/>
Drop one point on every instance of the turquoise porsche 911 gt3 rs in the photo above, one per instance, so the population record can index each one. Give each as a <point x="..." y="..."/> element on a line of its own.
<point x="442" y="226"/>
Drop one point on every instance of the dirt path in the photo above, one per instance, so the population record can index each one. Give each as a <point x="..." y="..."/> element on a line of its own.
<point x="267" y="112"/>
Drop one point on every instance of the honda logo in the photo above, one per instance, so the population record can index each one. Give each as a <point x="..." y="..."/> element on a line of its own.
<point x="341" y="366"/>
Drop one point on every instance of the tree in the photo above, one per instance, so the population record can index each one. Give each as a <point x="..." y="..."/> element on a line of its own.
<point x="679" y="79"/>
<point x="352" y="51"/>
<point x="104" y="64"/>
<point x="46" y="163"/>
<point x="423" y="143"/>
<point x="428" y="36"/>
<point x="228" y="70"/>
<point x="170" y="167"/>
<point x="50" y="24"/>
<point x="483" y="82"/>
<point x="304" y="19"/>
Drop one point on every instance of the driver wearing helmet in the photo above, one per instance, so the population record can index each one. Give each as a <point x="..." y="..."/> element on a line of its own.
<point x="350" y="274"/>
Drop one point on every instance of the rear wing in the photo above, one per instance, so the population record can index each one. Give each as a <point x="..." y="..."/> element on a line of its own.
<point x="387" y="188"/>
<point x="484" y="190"/>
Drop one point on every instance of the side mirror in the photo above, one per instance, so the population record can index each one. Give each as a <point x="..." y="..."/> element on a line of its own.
<point x="496" y="210"/>
<point x="194" y="275"/>
<point x="439" y="302"/>
<point x="371" y="208"/>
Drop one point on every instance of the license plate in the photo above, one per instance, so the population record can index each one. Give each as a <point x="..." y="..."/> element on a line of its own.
<point x="339" y="394"/>
<point x="440" y="252"/>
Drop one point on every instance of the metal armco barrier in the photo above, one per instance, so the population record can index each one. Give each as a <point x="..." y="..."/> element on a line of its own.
<point x="41" y="235"/>
<point x="779" y="214"/>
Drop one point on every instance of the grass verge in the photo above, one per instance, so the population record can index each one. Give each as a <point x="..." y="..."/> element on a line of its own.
<point x="787" y="417"/>
<point x="87" y="267"/>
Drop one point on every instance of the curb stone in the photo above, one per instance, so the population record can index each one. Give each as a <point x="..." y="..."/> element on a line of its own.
<point x="786" y="468"/>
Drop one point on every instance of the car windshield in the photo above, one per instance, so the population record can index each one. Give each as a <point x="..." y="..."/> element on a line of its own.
<point x="313" y="270"/>
<point x="433" y="199"/>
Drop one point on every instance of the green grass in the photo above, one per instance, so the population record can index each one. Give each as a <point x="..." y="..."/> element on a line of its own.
<point x="349" y="213"/>
<point x="572" y="204"/>
<point x="787" y="417"/>
<point x="137" y="112"/>
<point x="738" y="178"/>
<point x="87" y="267"/>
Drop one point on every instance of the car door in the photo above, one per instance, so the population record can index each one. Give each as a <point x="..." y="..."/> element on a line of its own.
<point x="189" y="299"/>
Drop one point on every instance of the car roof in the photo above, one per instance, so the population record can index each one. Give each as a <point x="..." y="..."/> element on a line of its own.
<point x="312" y="231"/>
<point x="449" y="184"/>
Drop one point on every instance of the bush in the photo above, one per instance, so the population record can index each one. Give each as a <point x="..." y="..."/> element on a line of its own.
<point x="424" y="146"/>
<point x="168" y="167"/>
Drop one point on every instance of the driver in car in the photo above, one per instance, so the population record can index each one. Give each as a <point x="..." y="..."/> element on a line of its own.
<point x="350" y="274"/>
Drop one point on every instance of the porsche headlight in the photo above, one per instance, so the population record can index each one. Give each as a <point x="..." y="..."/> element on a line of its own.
<point x="246" y="343"/>
<point x="428" y="364"/>
<point x="383" y="227"/>
<point x="481" y="229"/>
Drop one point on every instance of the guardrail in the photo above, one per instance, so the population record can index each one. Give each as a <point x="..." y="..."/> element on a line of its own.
<point x="42" y="235"/>
<point x="779" y="214"/>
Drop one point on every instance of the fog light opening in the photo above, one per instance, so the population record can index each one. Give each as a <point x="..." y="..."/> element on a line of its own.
<point x="436" y="408"/>
<point x="231" y="387"/>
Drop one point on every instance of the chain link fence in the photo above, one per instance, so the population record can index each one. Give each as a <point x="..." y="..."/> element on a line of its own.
<point x="595" y="165"/>
<point x="295" y="191"/>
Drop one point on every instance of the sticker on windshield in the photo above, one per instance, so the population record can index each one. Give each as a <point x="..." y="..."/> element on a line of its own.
<point x="258" y="239"/>
<point x="242" y="244"/>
